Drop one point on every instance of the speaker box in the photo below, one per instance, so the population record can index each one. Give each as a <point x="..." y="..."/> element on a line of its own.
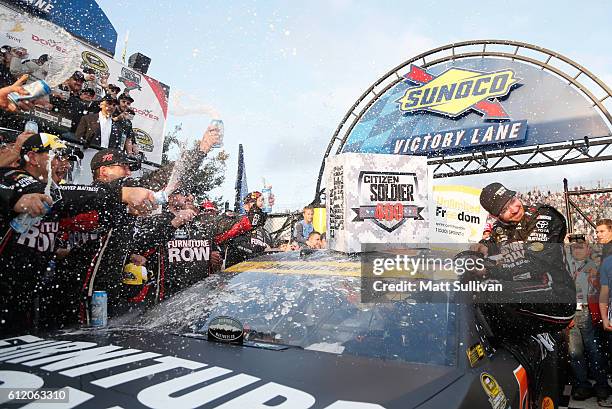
<point x="139" y="62"/>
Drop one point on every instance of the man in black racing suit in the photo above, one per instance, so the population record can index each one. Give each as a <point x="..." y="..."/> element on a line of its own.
<point x="527" y="245"/>
<point x="539" y="294"/>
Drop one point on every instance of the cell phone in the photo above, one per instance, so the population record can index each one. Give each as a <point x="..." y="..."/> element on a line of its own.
<point x="577" y="238"/>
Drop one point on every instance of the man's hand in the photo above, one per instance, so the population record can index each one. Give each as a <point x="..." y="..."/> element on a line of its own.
<point x="138" y="260"/>
<point x="21" y="138"/>
<point x="210" y="137"/>
<point x="215" y="261"/>
<point x="182" y="217"/>
<point x="606" y="324"/>
<point x="140" y="201"/>
<point x="17" y="87"/>
<point x="33" y="204"/>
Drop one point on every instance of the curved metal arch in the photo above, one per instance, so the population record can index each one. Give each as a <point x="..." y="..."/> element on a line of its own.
<point x="549" y="54"/>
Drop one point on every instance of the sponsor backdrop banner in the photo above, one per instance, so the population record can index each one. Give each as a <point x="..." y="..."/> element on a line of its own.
<point x="150" y="96"/>
<point x="456" y="214"/>
<point x="76" y="17"/>
<point x="474" y="104"/>
<point x="376" y="199"/>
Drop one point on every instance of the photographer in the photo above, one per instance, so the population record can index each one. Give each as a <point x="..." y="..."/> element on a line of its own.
<point x="37" y="69"/>
<point x="122" y="119"/>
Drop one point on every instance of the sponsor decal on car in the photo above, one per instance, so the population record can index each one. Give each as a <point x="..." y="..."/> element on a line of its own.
<point x="475" y="353"/>
<point x="31" y="358"/>
<point x="225" y="329"/>
<point x="494" y="391"/>
<point x="326" y="268"/>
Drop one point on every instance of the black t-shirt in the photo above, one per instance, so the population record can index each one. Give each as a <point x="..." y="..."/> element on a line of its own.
<point x="186" y="257"/>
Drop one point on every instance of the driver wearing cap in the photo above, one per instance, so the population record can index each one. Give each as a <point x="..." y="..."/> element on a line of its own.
<point x="527" y="243"/>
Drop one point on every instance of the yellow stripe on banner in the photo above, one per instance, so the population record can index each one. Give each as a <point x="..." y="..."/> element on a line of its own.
<point x="319" y="220"/>
<point x="299" y="267"/>
<point x="457" y="188"/>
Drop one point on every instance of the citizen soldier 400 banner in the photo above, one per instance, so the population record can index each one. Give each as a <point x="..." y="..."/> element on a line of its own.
<point x="150" y="96"/>
<point x="376" y="199"/>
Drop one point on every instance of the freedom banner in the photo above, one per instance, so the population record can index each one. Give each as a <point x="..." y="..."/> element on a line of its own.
<point x="456" y="214"/>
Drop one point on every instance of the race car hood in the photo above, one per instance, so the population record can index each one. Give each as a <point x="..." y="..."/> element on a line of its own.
<point x="137" y="368"/>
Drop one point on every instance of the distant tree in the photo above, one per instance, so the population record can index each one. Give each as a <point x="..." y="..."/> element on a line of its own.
<point x="170" y="139"/>
<point x="210" y="175"/>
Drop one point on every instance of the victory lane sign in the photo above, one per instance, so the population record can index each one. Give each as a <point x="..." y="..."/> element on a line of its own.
<point x="387" y="199"/>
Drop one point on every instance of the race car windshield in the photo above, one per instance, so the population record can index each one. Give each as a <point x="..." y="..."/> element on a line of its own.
<point x="320" y="313"/>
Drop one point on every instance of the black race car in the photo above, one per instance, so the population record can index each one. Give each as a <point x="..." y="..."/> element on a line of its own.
<point x="280" y="331"/>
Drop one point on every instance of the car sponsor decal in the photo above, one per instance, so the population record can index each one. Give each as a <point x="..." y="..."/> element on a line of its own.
<point x="494" y="391"/>
<point x="225" y="329"/>
<point x="536" y="246"/>
<point x="327" y="268"/>
<point x="475" y="353"/>
<point x="520" y="374"/>
<point x="547" y="403"/>
<point x="61" y="359"/>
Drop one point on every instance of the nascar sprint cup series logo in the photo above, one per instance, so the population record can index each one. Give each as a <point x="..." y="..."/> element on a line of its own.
<point x="387" y="199"/>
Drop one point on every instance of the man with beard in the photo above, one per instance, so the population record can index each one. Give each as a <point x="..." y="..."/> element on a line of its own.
<point x="527" y="241"/>
<point x="25" y="256"/>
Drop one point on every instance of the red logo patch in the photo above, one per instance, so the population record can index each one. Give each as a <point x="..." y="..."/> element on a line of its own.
<point x="108" y="157"/>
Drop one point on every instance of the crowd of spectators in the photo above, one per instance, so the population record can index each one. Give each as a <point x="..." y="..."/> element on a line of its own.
<point x="92" y="111"/>
<point x="595" y="206"/>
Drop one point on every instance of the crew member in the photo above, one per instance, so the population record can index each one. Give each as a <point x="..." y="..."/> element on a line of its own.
<point x="247" y="238"/>
<point x="25" y="257"/>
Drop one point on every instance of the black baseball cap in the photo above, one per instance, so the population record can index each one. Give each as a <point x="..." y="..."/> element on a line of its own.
<point x="88" y="91"/>
<point x="41" y="142"/>
<point x="114" y="87"/>
<point x="494" y="197"/>
<point x="109" y="157"/>
<point x="78" y="76"/>
<point x="125" y="96"/>
<point x="109" y="98"/>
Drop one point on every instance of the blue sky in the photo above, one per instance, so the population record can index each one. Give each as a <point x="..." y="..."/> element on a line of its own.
<point x="283" y="74"/>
